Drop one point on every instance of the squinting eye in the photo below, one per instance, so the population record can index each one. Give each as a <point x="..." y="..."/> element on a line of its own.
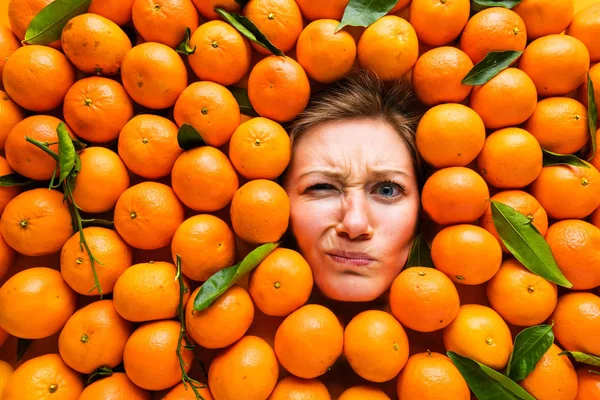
<point x="320" y="186"/>
<point x="389" y="189"/>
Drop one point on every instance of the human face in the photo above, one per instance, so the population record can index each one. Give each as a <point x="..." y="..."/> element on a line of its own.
<point x="354" y="203"/>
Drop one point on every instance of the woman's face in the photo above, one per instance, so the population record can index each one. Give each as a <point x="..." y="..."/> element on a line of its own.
<point x="354" y="206"/>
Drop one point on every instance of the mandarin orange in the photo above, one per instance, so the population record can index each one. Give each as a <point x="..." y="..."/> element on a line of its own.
<point x="577" y="321"/>
<point x="438" y="22"/>
<point x="164" y="21"/>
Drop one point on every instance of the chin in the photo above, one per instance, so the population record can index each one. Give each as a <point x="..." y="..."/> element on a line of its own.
<point x="351" y="289"/>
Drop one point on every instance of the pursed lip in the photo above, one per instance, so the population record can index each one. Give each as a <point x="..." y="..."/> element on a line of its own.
<point x="351" y="255"/>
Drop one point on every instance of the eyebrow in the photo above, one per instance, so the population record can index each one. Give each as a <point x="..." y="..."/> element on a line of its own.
<point x="336" y="175"/>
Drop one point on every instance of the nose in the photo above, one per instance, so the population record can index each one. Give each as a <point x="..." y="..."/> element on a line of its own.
<point x="355" y="223"/>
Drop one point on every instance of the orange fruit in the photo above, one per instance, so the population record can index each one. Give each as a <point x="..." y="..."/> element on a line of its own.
<point x="207" y="7"/>
<point x="150" y="357"/>
<point x="510" y="158"/>
<point x="566" y="191"/>
<point x="363" y="392"/>
<point x="181" y="392"/>
<point x="292" y="388"/>
<point x="147" y="292"/>
<point x="560" y="124"/>
<point x="454" y="195"/>
<point x="389" y="47"/>
<point x="246" y="370"/>
<point x="8" y="45"/>
<point x="585" y="26"/>
<point x="118" y="12"/>
<point x="7" y="193"/>
<point x="553" y="377"/>
<point x="213" y="236"/>
<point x="43" y="378"/>
<point x="582" y="93"/>
<point x="576" y="322"/>
<point x="148" y="146"/>
<point x="94" y="337"/>
<point x="511" y="91"/>
<point x="521" y="297"/>
<point x="595" y="218"/>
<point x="437" y="76"/>
<point x="480" y="333"/>
<point x="431" y="376"/>
<point x="164" y="21"/>
<point x="222" y="54"/>
<point x="154" y="75"/>
<point x="114" y="386"/>
<point x="545" y="17"/>
<point x="37" y="77"/>
<point x="7" y="257"/>
<point x="555" y="55"/>
<point x="279" y="20"/>
<point x="97" y="108"/>
<point x="113" y="254"/>
<point x="20" y="14"/>
<point x="595" y="161"/>
<point x="10" y="115"/>
<point x="5" y="370"/>
<point x="36" y="222"/>
<point x="278" y="88"/>
<point x="439" y="22"/>
<point x="204" y="179"/>
<point x="325" y="55"/>
<point x="35" y="303"/>
<point x="326" y="9"/>
<point x="309" y="341"/>
<point x="211" y="109"/>
<point x="493" y="29"/>
<point x="574" y="244"/>
<point x="588" y="386"/>
<point x="424" y="299"/>
<point x="260" y="211"/>
<point x="224" y="322"/>
<point x="147" y="215"/>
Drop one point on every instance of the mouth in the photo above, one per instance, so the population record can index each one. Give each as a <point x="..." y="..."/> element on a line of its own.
<point x="350" y="258"/>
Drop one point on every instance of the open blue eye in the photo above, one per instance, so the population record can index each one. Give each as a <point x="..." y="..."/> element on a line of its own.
<point x="389" y="189"/>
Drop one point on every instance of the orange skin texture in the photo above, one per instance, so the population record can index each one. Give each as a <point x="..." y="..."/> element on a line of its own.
<point x="251" y="203"/>
<point x="20" y="14"/>
<point x="10" y="115"/>
<point x="117" y="386"/>
<point x="553" y="377"/>
<point x="455" y="195"/>
<point x="148" y="146"/>
<point x="207" y="7"/>
<point x="438" y="23"/>
<point x="583" y="89"/>
<point x="521" y="297"/>
<point x="555" y="55"/>
<point x="97" y="108"/>
<point x="147" y="215"/>
<point x="37" y="77"/>
<point x="107" y="247"/>
<point x="224" y="322"/>
<point x="101" y="181"/>
<point x="309" y="341"/>
<point x="154" y="75"/>
<point x="150" y="357"/>
<point x="181" y="392"/>
<point x="472" y="330"/>
<point x="147" y="292"/>
<point x="7" y="257"/>
<point x="545" y="17"/>
<point x="363" y="392"/>
<point x="6" y="193"/>
<point x="585" y="26"/>
<point x="389" y="47"/>
<point x="204" y="179"/>
<point x="36" y="303"/>
<point x="431" y="376"/>
<point x="511" y="158"/>
<point x="5" y="370"/>
<point x="522" y="202"/>
<point x="576" y="322"/>
<point x="424" y="299"/>
<point x="588" y="383"/>
<point x="118" y="12"/>
<point x="511" y="91"/>
<point x="247" y="370"/>
<point x="278" y="88"/>
<point x="326" y="56"/>
<point x="213" y="236"/>
<point x="437" y="76"/>
<point x="225" y="64"/>
<point x="293" y="388"/>
<point x="8" y="45"/>
<point x="326" y="9"/>
<point x="574" y="245"/>
<point x="34" y="378"/>
<point x="595" y="218"/>
<point x="46" y="218"/>
<point x="164" y="21"/>
<point x="566" y="191"/>
<point x="106" y="333"/>
<point x="279" y="20"/>
<point x="493" y="29"/>
<point x="211" y="109"/>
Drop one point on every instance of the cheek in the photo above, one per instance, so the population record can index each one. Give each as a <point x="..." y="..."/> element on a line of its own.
<point x="310" y="220"/>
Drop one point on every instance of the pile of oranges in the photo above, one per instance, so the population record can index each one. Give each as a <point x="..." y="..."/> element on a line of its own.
<point x="92" y="295"/>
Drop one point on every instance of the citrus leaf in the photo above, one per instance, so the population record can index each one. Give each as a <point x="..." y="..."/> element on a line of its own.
<point x="47" y="25"/>
<point x="22" y="346"/>
<point x="184" y="47"/>
<point x="530" y="345"/>
<point x="551" y="158"/>
<point x="13" y="180"/>
<point x="219" y="282"/>
<point x="592" y="114"/>
<point x="487" y="383"/>
<point x="365" y="12"/>
<point x="78" y="145"/>
<point x="493" y="63"/>
<point x="249" y="30"/>
<point x="478" y="5"/>
<point x="582" y="357"/>
<point x="420" y="254"/>
<point x="241" y="96"/>
<point x="188" y="137"/>
<point x="101" y="372"/>
<point x="66" y="153"/>
<point x="525" y="242"/>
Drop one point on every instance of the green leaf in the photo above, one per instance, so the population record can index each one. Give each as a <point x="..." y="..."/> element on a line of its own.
<point x="249" y="30"/>
<point x="188" y="137"/>
<point x="13" y="180"/>
<point x="78" y="145"/>
<point x="218" y="283"/>
<point x="420" y="254"/>
<point x="184" y="47"/>
<point x="493" y="63"/>
<point x="530" y="345"/>
<point x="101" y="372"/>
<point x="66" y="152"/>
<point x="478" y="5"/>
<point x="524" y="241"/>
<point x="551" y="158"/>
<point x="582" y="357"/>
<point x="47" y="25"/>
<point x="241" y="96"/>
<point x="592" y="114"/>
<point x="486" y="383"/>
<point x="22" y="346"/>
<point x="365" y="12"/>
